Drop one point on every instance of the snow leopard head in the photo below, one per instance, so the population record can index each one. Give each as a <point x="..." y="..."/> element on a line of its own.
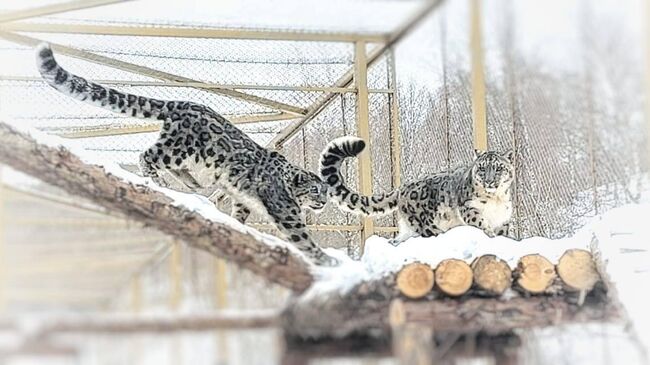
<point x="493" y="170"/>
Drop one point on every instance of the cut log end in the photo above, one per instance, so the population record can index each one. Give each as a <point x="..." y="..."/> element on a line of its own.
<point x="577" y="270"/>
<point x="415" y="280"/>
<point x="535" y="274"/>
<point x="491" y="275"/>
<point x="453" y="277"/>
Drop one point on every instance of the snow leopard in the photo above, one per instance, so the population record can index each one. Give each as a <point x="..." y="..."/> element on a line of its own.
<point x="201" y="149"/>
<point x="477" y="194"/>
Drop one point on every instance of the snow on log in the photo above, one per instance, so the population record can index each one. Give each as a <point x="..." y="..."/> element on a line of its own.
<point x="492" y="276"/>
<point x="535" y="274"/>
<point x="453" y="277"/>
<point x="415" y="280"/>
<point x="187" y="217"/>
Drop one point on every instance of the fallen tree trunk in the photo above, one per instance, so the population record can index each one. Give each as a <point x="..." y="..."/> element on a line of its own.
<point x="365" y="311"/>
<point x="57" y="166"/>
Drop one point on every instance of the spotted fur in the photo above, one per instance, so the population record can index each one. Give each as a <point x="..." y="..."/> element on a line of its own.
<point x="476" y="195"/>
<point x="201" y="149"/>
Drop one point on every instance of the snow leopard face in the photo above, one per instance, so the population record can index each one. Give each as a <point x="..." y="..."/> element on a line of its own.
<point x="493" y="170"/>
<point x="310" y="191"/>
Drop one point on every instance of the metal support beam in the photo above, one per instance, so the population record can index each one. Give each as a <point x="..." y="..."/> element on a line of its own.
<point x="153" y="126"/>
<point x="175" y="277"/>
<point x="395" y="141"/>
<point x="363" y="128"/>
<point x="3" y="264"/>
<point x="478" y="78"/>
<point x="348" y="77"/>
<point x="55" y="9"/>
<point x="221" y="303"/>
<point x="136" y="294"/>
<point x="187" y="32"/>
<point x="146" y="71"/>
<point x="209" y="85"/>
<point x="646" y="44"/>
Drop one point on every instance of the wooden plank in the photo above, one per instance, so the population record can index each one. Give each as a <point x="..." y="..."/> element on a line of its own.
<point x="55" y="9"/>
<point x="195" y="32"/>
<point x="478" y="79"/>
<point x="363" y="128"/>
<point x="146" y="71"/>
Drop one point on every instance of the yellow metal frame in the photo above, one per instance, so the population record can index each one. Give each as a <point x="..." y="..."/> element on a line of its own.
<point x="353" y="81"/>
<point x="146" y="71"/>
<point x="55" y="9"/>
<point x="478" y="78"/>
<point x="186" y="32"/>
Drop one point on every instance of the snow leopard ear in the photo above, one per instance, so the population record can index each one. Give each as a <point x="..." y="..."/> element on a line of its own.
<point x="509" y="155"/>
<point x="478" y="153"/>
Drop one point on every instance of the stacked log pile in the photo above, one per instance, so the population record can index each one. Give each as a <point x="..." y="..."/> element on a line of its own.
<point x="488" y="275"/>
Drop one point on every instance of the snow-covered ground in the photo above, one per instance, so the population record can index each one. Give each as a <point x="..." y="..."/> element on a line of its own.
<point x="620" y="236"/>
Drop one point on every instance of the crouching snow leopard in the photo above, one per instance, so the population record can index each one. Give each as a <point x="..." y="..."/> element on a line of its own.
<point x="201" y="149"/>
<point x="476" y="195"/>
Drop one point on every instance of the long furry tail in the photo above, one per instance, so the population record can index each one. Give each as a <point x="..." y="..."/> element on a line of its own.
<point x="95" y="94"/>
<point x="330" y="168"/>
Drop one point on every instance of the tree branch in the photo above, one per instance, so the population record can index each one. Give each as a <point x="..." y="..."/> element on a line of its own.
<point x="270" y="258"/>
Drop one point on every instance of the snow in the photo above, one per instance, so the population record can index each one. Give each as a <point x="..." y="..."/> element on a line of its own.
<point x="464" y="243"/>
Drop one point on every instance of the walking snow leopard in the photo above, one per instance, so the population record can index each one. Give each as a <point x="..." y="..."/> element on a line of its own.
<point x="476" y="195"/>
<point x="201" y="149"/>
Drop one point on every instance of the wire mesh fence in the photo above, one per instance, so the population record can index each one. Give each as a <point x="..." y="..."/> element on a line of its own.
<point x="577" y="129"/>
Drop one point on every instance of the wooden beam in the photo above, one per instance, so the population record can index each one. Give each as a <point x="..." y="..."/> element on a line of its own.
<point x="478" y="78"/>
<point x="348" y="77"/>
<point x="363" y="128"/>
<point x="188" y="32"/>
<point x="55" y="9"/>
<point x="146" y="71"/>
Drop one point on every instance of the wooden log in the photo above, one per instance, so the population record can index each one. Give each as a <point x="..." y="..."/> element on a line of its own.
<point x="453" y="277"/>
<point x="412" y="342"/>
<point x="415" y="280"/>
<point x="577" y="270"/>
<point x="492" y="275"/>
<point x="534" y="274"/>
<point x="61" y="168"/>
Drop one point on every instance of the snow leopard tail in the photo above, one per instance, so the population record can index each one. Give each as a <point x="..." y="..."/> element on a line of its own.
<point x="95" y="94"/>
<point x="330" y="168"/>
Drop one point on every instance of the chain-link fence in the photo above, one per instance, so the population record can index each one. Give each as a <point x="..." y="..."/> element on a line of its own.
<point x="577" y="128"/>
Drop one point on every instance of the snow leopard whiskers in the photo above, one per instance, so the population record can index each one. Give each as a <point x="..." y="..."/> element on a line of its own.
<point x="477" y="194"/>
<point x="201" y="149"/>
